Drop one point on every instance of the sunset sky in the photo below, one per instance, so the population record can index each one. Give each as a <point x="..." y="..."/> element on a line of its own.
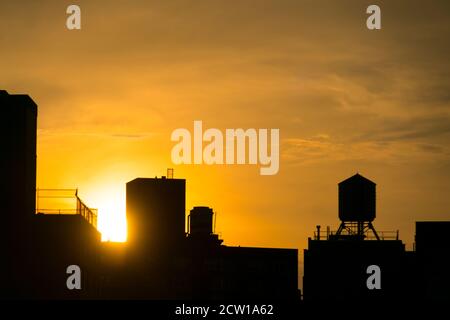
<point x="346" y="100"/>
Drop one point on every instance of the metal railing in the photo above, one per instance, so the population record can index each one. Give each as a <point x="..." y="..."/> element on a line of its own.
<point x="384" y="235"/>
<point x="89" y="214"/>
<point x="64" y="201"/>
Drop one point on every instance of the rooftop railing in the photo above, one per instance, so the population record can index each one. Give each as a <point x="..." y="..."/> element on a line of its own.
<point x="64" y="201"/>
<point x="384" y="235"/>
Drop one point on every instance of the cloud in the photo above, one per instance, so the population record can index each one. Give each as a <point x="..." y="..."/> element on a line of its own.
<point x="431" y="148"/>
<point x="43" y="133"/>
<point x="427" y="127"/>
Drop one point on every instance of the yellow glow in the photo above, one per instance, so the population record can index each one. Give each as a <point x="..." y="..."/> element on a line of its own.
<point x="101" y="129"/>
<point x="112" y="223"/>
<point x="111" y="217"/>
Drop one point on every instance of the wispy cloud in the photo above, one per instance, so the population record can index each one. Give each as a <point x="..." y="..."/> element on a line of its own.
<point x="59" y="133"/>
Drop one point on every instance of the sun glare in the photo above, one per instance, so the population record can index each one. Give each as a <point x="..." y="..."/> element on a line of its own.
<point x="112" y="219"/>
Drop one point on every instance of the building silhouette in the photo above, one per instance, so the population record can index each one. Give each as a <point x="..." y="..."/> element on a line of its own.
<point x="155" y="215"/>
<point x="170" y="257"/>
<point x="432" y="249"/>
<point x="37" y="248"/>
<point x="225" y="272"/>
<point x="18" y="174"/>
<point x="160" y="259"/>
<point x="335" y="263"/>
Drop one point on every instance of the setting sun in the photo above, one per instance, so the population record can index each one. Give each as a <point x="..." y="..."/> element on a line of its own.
<point x="112" y="222"/>
<point x="111" y="216"/>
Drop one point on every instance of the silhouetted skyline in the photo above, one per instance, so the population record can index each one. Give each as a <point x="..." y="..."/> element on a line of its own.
<point x="161" y="261"/>
<point x="346" y="99"/>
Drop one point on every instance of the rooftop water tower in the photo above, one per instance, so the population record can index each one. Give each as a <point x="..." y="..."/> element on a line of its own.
<point x="201" y="221"/>
<point x="357" y="207"/>
<point x="201" y="225"/>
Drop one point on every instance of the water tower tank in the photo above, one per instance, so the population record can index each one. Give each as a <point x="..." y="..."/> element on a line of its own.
<point x="201" y="221"/>
<point x="357" y="199"/>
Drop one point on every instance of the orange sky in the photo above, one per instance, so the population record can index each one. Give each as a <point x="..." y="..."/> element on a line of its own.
<point x="345" y="99"/>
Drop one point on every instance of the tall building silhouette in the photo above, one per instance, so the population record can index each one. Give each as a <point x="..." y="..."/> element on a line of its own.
<point x="155" y="214"/>
<point x="18" y="174"/>
<point x="155" y="209"/>
<point x="36" y="248"/>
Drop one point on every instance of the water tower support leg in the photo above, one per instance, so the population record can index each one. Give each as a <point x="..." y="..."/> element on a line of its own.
<point x="373" y="230"/>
